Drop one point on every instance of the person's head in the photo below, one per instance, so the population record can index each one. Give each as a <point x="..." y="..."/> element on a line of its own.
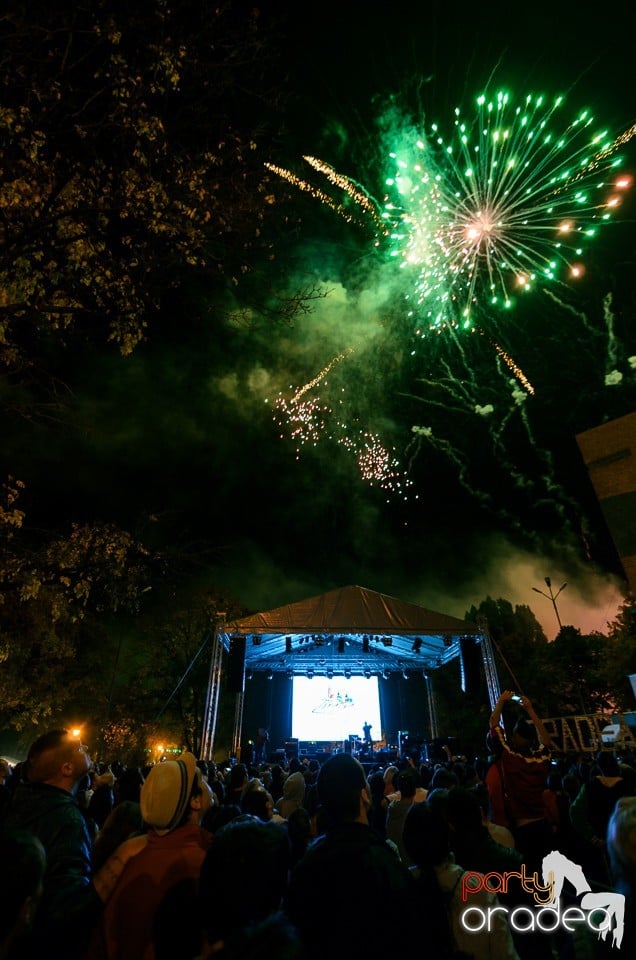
<point x="203" y="767"/>
<point x="425" y="835"/>
<point x="129" y="784"/>
<point x="299" y="832"/>
<point x="523" y="738"/>
<point x="437" y="800"/>
<point x="217" y="817"/>
<point x="406" y="783"/>
<point x="5" y="770"/>
<point x="244" y="876"/>
<point x="376" y="786"/>
<point x="57" y="758"/>
<point x="24" y="862"/>
<point x="389" y="774"/>
<point x="463" y="811"/>
<point x="570" y="784"/>
<point x="343" y="791"/>
<point x="174" y="793"/>
<point x="256" y="800"/>
<point x="274" y="937"/>
<point x="123" y="821"/>
<point x="608" y="765"/>
<point x="294" y="788"/>
<point x="237" y="778"/>
<point x="445" y="778"/>
<point x="621" y="845"/>
<point x="483" y="799"/>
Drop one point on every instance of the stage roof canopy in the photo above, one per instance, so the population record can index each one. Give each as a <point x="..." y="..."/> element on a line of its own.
<point x="350" y="629"/>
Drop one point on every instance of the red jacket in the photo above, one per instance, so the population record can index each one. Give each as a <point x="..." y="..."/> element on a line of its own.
<point x="125" y="931"/>
<point x="525" y="777"/>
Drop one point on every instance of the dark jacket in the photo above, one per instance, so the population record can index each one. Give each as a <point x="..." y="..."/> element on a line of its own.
<point x="70" y="905"/>
<point x="351" y="879"/>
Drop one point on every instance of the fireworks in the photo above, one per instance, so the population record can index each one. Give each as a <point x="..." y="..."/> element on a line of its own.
<point x="306" y="420"/>
<point x="378" y="465"/>
<point x="507" y="202"/>
<point x="511" y="199"/>
<point x="504" y="201"/>
<point x="355" y="193"/>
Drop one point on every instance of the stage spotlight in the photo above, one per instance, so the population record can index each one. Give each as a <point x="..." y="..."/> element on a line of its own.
<point x="385" y="674"/>
<point x="289" y="674"/>
<point x="270" y="675"/>
<point x="248" y="674"/>
<point x="347" y="674"/>
<point x="310" y="674"/>
<point x="405" y="675"/>
<point x="367" y="673"/>
<point x="330" y="674"/>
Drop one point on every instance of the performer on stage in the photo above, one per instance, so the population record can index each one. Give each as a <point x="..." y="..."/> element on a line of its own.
<point x="262" y="739"/>
<point x="368" y="742"/>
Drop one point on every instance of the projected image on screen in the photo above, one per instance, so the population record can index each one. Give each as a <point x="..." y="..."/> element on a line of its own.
<point x="324" y="709"/>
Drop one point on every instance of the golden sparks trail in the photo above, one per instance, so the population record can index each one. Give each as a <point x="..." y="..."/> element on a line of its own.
<point x="306" y="420"/>
<point x="320" y="376"/>
<point x="313" y="191"/>
<point x="350" y="187"/>
<point x="518" y="372"/>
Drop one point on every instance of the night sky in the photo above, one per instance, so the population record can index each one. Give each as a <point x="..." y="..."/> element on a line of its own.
<point x="179" y="443"/>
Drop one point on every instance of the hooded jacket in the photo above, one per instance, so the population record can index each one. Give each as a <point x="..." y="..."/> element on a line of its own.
<point x="293" y="794"/>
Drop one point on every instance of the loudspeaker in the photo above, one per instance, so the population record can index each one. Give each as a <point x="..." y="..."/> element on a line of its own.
<point x="470" y="664"/>
<point x="235" y="667"/>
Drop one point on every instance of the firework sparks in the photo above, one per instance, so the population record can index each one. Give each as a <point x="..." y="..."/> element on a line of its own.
<point x="307" y="420"/>
<point x="378" y="465"/>
<point x="506" y="203"/>
<point x="320" y="376"/>
<point x="344" y="183"/>
<point x="510" y="200"/>
<point x="516" y="369"/>
<point x="357" y="193"/>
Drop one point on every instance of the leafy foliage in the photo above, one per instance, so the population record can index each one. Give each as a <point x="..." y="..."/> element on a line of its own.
<point x="573" y="675"/>
<point x="52" y="598"/>
<point x="121" y="173"/>
<point x="163" y="671"/>
<point x="123" y="176"/>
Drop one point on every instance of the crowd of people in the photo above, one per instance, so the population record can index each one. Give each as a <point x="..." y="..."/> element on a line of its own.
<point x="296" y="859"/>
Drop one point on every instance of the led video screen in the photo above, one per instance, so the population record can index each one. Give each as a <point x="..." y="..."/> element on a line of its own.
<point x="324" y="709"/>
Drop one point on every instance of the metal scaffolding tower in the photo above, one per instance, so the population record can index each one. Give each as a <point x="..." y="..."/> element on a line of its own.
<point x="488" y="659"/>
<point x="211" y="710"/>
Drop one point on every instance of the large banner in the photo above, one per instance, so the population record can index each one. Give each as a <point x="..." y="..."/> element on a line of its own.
<point x="584" y="734"/>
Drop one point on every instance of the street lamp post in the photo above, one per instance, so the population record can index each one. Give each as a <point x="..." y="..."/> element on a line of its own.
<point x="552" y="596"/>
